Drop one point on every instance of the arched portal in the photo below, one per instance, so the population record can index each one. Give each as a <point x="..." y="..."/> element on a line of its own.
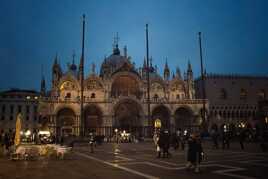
<point x="125" y="85"/>
<point x="163" y="114"/>
<point x="65" y="123"/>
<point x="93" y="119"/>
<point x="183" y="118"/>
<point x="127" y="116"/>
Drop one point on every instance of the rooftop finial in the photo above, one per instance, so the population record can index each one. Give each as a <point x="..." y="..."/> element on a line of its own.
<point x="116" y="50"/>
<point x="73" y="56"/>
<point x="93" y="68"/>
<point x="125" y="51"/>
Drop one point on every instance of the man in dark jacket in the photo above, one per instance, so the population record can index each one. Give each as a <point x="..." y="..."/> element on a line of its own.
<point x="166" y="144"/>
<point x="195" y="151"/>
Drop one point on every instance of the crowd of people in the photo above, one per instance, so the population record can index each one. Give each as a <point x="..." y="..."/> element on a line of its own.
<point x="221" y="138"/>
<point x="163" y="140"/>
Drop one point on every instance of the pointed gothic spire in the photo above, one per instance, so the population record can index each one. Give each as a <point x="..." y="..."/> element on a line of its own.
<point x="151" y="62"/>
<point x="73" y="66"/>
<point x="43" y="83"/>
<point x="144" y="63"/>
<point x="125" y="51"/>
<point x="178" y="72"/>
<point x="56" y="59"/>
<point x="173" y="75"/>
<point x="166" y="64"/>
<point x="166" y="71"/>
<point x="73" y="57"/>
<point x="156" y="68"/>
<point x="93" y="67"/>
<point x="189" y="66"/>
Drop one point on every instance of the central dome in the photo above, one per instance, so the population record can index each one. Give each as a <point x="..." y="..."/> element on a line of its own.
<point x="113" y="62"/>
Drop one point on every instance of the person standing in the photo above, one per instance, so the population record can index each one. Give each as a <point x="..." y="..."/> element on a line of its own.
<point x="191" y="152"/>
<point x="156" y="139"/>
<point x="199" y="153"/>
<point x="166" y="142"/>
<point x="242" y="137"/>
<point x="91" y="142"/>
<point x="6" y="141"/>
<point x="215" y="136"/>
<point x="161" y="143"/>
<point x="195" y="152"/>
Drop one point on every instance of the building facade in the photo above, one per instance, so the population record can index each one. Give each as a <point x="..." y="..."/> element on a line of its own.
<point x="16" y="101"/>
<point x="117" y="98"/>
<point x="233" y="99"/>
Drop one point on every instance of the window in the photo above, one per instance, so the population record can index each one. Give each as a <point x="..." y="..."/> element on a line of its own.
<point x="68" y="95"/>
<point x="27" y="109"/>
<point x="11" y="118"/>
<point x="261" y="94"/>
<point x="3" y="118"/>
<point x="35" y="118"/>
<point x="35" y="109"/>
<point x="11" y="109"/>
<point x="19" y="108"/>
<point x="182" y="96"/>
<point x="178" y="96"/>
<point x="223" y="94"/>
<point x="243" y="94"/>
<point x="155" y="97"/>
<point x="27" y="118"/>
<point x="3" y="109"/>
<point x="93" y="95"/>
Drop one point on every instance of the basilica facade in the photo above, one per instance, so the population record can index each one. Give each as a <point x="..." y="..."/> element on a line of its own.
<point x="117" y="98"/>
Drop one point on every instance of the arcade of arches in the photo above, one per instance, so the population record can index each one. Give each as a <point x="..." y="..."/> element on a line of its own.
<point x="128" y="115"/>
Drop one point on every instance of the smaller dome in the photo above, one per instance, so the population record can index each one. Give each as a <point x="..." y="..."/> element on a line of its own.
<point x="73" y="67"/>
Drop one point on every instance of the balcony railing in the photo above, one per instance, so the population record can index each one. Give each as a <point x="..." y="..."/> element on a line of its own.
<point x="143" y="100"/>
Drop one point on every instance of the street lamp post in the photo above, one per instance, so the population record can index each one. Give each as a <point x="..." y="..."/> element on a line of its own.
<point x="204" y="122"/>
<point x="81" y="69"/>
<point x="148" y="79"/>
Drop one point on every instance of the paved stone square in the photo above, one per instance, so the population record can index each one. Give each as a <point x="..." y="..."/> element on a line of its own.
<point x="130" y="160"/>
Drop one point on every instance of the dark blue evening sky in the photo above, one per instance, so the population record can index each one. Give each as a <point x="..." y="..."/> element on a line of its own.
<point x="235" y="35"/>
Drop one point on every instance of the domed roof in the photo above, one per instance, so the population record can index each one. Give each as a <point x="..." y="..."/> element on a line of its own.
<point x="73" y="67"/>
<point x="113" y="62"/>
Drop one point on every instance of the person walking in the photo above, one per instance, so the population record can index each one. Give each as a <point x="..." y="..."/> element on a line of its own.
<point x="199" y="153"/>
<point x="242" y="137"/>
<point x="156" y="139"/>
<point x="191" y="152"/>
<point x="161" y="143"/>
<point x="91" y="142"/>
<point x="225" y="138"/>
<point x="215" y="136"/>
<point x="195" y="153"/>
<point x="166" y="142"/>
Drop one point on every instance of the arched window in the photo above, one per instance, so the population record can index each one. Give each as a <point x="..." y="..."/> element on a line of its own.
<point x="155" y="97"/>
<point x="68" y="96"/>
<point x="223" y="94"/>
<point x="243" y="94"/>
<point x="93" y="95"/>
